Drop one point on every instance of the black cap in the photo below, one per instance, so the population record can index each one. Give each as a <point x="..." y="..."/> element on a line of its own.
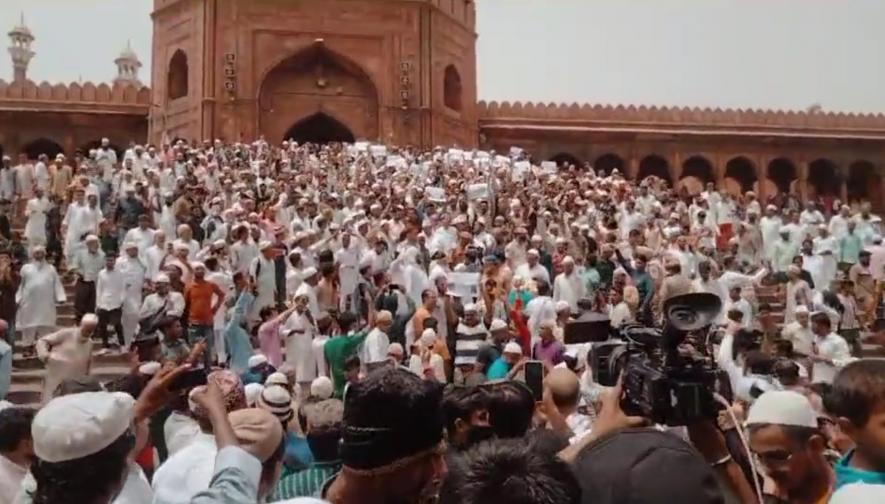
<point x="645" y="466"/>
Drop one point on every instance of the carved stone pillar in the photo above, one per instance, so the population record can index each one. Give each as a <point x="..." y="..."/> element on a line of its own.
<point x="802" y="181"/>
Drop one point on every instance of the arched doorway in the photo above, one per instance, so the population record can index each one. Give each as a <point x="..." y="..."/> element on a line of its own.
<point x="452" y="90"/>
<point x="177" y="76"/>
<point x="742" y="171"/>
<point x="654" y="165"/>
<point x="318" y="82"/>
<point x="698" y="167"/>
<point x="319" y="128"/>
<point x="607" y="163"/>
<point x="39" y="146"/>
<point x="823" y="177"/>
<point x="863" y="183"/>
<point x="564" y="160"/>
<point x="782" y="172"/>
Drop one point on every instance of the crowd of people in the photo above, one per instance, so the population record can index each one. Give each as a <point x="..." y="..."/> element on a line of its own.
<point x="356" y="324"/>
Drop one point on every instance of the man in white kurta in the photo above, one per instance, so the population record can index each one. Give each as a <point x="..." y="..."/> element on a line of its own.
<point x="67" y="354"/>
<point x="831" y="351"/>
<point x="132" y="269"/>
<point x="74" y="223"/>
<point x="348" y="258"/>
<point x="35" y="211"/>
<point x="769" y="226"/>
<point x="568" y="285"/>
<point x="39" y="291"/>
<point x="264" y="276"/>
<point x="299" y="331"/>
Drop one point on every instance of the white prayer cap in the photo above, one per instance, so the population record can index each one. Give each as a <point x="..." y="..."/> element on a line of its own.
<point x="257" y="360"/>
<point x="130" y="245"/>
<point x="383" y="316"/>
<point x="308" y="272"/>
<point x="219" y="244"/>
<point x="428" y="337"/>
<point x="161" y="278"/>
<point x="561" y="241"/>
<point x="784" y="230"/>
<point x="198" y="265"/>
<point x="470" y="308"/>
<point x="857" y="493"/>
<point x="513" y="348"/>
<point x="91" y="238"/>
<point x="264" y="245"/>
<point x="801" y="309"/>
<point x="89" y="319"/>
<point x="498" y="325"/>
<point x="182" y="246"/>
<point x="537" y="238"/>
<point x="149" y="368"/>
<point x="772" y="208"/>
<point x="277" y="400"/>
<point x="276" y="379"/>
<point x="253" y="392"/>
<point x="548" y="324"/>
<point x="782" y="407"/>
<point x="562" y="306"/>
<point x="568" y="260"/>
<point x="533" y="252"/>
<point x="75" y="426"/>
<point x="321" y="388"/>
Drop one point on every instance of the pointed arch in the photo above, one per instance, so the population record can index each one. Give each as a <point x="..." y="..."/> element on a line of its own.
<point x="698" y="167"/>
<point x="607" y="163"/>
<point x="782" y="172"/>
<point x="823" y="177"/>
<point x="564" y="159"/>
<point x="654" y="165"/>
<point x="452" y="89"/>
<point x="177" y="76"/>
<point x="34" y="148"/>
<point x="319" y="128"/>
<point x="864" y="182"/>
<point x="743" y="171"/>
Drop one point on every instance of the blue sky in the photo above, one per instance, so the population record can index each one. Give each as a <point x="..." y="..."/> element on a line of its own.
<point x="785" y="54"/>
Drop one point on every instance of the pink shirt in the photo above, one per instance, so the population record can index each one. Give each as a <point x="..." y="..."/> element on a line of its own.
<point x="269" y="340"/>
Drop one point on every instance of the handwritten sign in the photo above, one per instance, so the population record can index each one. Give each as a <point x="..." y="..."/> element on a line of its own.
<point x="465" y="285"/>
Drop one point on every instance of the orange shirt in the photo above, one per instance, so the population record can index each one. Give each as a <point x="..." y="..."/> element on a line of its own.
<point x="199" y="300"/>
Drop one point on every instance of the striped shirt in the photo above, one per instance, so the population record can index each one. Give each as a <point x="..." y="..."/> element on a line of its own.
<point x="307" y="482"/>
<point x="468" y="341"/>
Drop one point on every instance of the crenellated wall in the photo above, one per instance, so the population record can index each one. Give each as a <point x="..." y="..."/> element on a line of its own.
<point x="680" y="116"/>
<point x="74" y="94"/>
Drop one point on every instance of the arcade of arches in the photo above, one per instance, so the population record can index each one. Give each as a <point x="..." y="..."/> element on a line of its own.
<point x="318" y="95"/>
<point x="844" y="177"/>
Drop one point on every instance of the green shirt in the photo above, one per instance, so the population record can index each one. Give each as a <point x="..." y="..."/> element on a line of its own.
<point x="339" y="349"/>
<point x="306" y="482"/>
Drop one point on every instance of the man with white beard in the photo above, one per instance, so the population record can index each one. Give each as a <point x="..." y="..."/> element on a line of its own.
<point x="568" y="285"/>
<point x="532" y="269"/>
<point x="36" y="210"/>
<point x="38" y="293"/>
<point x="133" y="271"/>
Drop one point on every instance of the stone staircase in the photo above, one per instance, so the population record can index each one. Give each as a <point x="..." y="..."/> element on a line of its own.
<point x="28" y="372"/>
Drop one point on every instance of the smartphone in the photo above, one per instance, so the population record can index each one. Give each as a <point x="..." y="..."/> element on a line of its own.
<point x="534" y="378"/>
<point x="189" y="379"/>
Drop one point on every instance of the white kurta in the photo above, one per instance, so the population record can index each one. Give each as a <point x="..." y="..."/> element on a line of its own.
<point x="299" y="347"/>
<point x="770" y="229"/>
<point x="134" y="273"/>
<point x="37" y="295"/>
<point x="569" y="288"/>
<point x="263" y="271"/>
<point x="67" y="356"/>
<point x="35" y="229"/>
<point x="834" y="348"/>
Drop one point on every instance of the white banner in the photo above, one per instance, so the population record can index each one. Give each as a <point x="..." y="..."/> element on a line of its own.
<point x="465" y="285"/>
<point x="477" y="191"/>
<point x="435" y="194"/>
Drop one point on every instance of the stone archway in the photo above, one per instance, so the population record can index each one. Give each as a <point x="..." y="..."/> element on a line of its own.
<point x="823" y="178"/>
<point x="565" y="159"/>
<point x="319" y="128"/>
<point x="654" y="165"/>
<point x="698" y="167"/>
<point x="742" y="171"/>
<point x="782" y="172"/>
<point x="607" y="163"/>
<point x="318" y="83"/>
<point x="864" y="183"/>
<point x="34" y="148"/>
<point x="94" y="144"/>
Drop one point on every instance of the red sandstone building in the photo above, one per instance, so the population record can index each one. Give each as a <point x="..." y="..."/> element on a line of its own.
<point x="404" y="72"/>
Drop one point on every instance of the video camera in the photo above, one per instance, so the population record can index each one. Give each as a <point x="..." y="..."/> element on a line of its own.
<point x="669" y="375"/>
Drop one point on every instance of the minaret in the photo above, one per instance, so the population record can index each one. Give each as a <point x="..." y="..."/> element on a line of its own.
<point x="20" y="50"/>
<point x="127" y="67"/>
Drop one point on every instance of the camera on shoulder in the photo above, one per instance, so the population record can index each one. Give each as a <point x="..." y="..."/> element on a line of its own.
<point x="669" y="374"/>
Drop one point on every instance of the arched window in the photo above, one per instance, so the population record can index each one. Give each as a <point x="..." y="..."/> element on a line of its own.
<point x="40" y="146"/>
<point x="565" y="159"/>
<point x="823" y="177"/>
<point x="654" y="165"/>
<point x="698" y="167"/>
<point x="743" y="171"/>
<point x="606" y="163"/>
<point x="177" y="83"/>
<point x="782" y="172"/>
<point x="452" y="88"/>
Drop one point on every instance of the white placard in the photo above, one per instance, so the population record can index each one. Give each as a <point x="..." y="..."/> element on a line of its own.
<point x="378" y="150"/>
<point x="465" y="285"/>
<point x="361" y="146"/>
<point x="502" y="160"/>
<point x="548" y="167"/>
<point x="482" y="155"/>
<point x="435" y="194"/>
<point x="477" y="191"/>
<point x="397" y="162"/>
